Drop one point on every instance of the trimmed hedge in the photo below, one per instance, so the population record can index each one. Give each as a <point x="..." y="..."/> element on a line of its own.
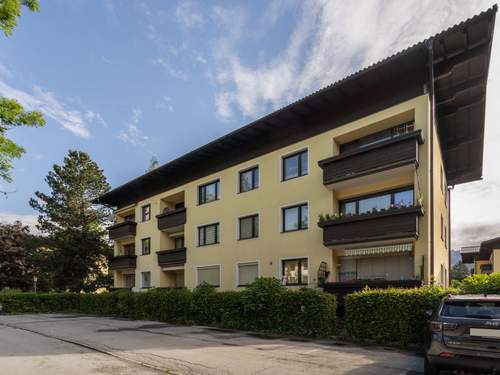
<point x="479" y="284"/>
<point x="391" y="315"/>
<point x="263" y="306"/>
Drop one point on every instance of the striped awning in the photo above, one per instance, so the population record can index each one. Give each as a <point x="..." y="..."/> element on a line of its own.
<point x="379" y="250"/>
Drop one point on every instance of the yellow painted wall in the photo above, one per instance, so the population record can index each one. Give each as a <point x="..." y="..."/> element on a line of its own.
<point x="267" y="200"/>
<point x="496" y="260"/>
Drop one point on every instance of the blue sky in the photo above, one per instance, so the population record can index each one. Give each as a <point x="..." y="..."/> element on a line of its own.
<point x="128" y="80"/>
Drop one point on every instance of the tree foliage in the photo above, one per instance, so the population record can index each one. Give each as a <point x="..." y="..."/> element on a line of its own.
<point x="10" y="11"/>
<point x="13" y="115"/>
<point x="459" y="271"/>
<point x="14" y="272"/>
<point x="74" y="226"/>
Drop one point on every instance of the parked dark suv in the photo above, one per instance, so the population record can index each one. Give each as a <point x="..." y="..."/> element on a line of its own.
<point x="465" y="335"/>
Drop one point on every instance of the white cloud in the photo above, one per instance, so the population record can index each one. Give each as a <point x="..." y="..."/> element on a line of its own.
<point x="47" y="103"/>
<point x="165" y="64"/>
<point x="166" y="104"/>
<point x="188" y="16"/>
<point x="96" y="118"/>
<point x="132" y="134"/>
<point x="28" y="220"/>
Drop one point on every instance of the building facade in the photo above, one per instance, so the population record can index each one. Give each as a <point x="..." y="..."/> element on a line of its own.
<point x="350" y="183"/>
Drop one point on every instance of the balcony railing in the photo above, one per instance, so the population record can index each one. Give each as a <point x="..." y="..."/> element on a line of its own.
<point x="172" y="220"/>
<point x="392" y="153"/>
<point x="121" y="262"/>
<point x="122" y="230"/>
<point x="172" y="258"/>
<point x="382" y="225"/>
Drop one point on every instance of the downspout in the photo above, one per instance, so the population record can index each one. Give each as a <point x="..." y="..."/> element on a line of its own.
<point x="430" y="50"/>
<point x="449" y="232"/>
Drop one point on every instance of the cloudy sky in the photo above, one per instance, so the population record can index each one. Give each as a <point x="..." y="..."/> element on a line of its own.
<point x="128" y="80"/>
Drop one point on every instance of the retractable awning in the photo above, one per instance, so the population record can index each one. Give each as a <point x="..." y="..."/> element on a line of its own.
<point x="379" y="250"/>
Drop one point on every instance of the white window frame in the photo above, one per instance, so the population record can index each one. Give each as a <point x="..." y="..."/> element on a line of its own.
<point x="281" y="223"/>
<point x="309" y="268"/>
<point x="150" y="280"/>
<point x="219" y="234"/>
<point x="238" y="271"/>
<point x="238" y="226"/>
<point x="209" y="265"/>
<point x="291" y="153"/>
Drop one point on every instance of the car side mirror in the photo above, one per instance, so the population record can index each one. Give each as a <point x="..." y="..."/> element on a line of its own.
<point x="428" y="314"/>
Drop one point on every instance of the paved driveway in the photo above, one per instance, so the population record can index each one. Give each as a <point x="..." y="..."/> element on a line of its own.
<point x="78" y="344"/>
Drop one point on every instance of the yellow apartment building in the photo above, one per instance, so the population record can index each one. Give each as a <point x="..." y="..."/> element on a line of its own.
<point x="485" y="257"/>
<point x="349" y="184"/>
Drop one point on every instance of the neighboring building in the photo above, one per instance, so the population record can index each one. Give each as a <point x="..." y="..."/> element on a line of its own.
<point x="485" y="258"/>
<point x="379" y="148"/>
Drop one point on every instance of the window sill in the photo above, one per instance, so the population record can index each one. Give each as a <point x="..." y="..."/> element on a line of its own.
<point x="209" y="244"/>
<point x="249" y="238"/>
<point x="145" y="254"/>
<point x="204" y="203"/>
<point x="294" y="230"/>
<point x="248" y="191"/>
<point x="293" y="178"/>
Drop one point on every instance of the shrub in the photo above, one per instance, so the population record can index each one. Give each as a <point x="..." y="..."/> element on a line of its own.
<point x="391" y="315"/>
<point x="263" y="306"/>
<point x="480" y="284"/>
<point x="39" y="302"/>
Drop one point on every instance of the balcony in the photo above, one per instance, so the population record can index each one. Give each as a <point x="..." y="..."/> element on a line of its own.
<point x="172" y="258"/>
<point x="122" y="230"/>
<point x="122" y="262"/>
<point x="172" y="221"/>
<point x="399" y="153"/>
<point x="382" y="225"/>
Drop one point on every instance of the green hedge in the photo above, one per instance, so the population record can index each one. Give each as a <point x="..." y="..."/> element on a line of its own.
<point x="479" y="284"/>
<point x="263" y="306"/>
<point x="391" y="315"/>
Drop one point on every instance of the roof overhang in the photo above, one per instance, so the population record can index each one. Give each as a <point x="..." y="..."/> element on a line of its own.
<point x="460" y="60"/>
<point x="487" y="247"/>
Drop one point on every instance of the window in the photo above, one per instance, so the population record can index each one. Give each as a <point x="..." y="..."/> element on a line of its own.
<point x="471" y="309"/>
<point x="209" y="275"/>
<point x="179" y="242"/>
<point x="295" y="271"/>
<point x="130" y="280"/>
<point x="295" y="165"/>
<point x="295" y="218"/>
<point x="208" y="234"/>
<point x="249" y="227"/>
<point x="146" y="279"/>
<point x="378" y="137"/>
<point x="129" y="249"/>
<point x="445" y="237"/>
<point x="249" y="179"/>
<point x="377" y="202"/>
<point x="209" y="192"/>
<point x="146" y="212"/>
<point x="146" y="246"/>
<point x="442" y="228"/>
<point x="247" y="273"/>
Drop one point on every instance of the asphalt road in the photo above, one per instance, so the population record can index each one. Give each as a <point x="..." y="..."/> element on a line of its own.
<point x="76" y="344"/>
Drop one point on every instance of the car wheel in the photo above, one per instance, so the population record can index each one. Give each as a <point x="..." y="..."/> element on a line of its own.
<point x="429" y="368"/>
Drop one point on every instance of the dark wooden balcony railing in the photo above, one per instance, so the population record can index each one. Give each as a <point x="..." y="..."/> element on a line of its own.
<point x="383" y="225"/>
<point x="172" y="258"/>
<point x="171" y="219"/>
<point x="120" y="262"/>
<point x="393" y="153"/>
<point x="122" y="230"/>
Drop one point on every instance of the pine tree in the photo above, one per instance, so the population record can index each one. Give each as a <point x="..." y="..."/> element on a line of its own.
<point x="74" y="226"/>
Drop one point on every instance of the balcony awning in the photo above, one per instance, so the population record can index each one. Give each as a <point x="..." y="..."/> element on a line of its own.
<point x="379" y="250"/>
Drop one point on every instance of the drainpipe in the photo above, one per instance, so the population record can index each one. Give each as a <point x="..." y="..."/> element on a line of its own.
<point x="430" y="50"/>
<point x="449" y="232"/>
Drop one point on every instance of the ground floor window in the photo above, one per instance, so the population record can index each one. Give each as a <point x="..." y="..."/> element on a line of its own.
<point x="390" y="267"/>
<point x="247" y="273"/>
<point x="129" y="280"/>
<point x="209" y="275"/>
<point x="295" y="271"/>
<point x="145" y="279"/>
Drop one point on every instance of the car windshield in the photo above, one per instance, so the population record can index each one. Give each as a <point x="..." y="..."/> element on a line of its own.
<point x="472" y="309"/>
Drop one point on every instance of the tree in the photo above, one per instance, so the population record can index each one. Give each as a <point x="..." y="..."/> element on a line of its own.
<point x="10" y="11"/>
<point x="459" y="272"/>
<point x="12" y="114"/>
<point x="14" y="271"/>
<point x="75" y="227"/>
<point x="153" y="163"/>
